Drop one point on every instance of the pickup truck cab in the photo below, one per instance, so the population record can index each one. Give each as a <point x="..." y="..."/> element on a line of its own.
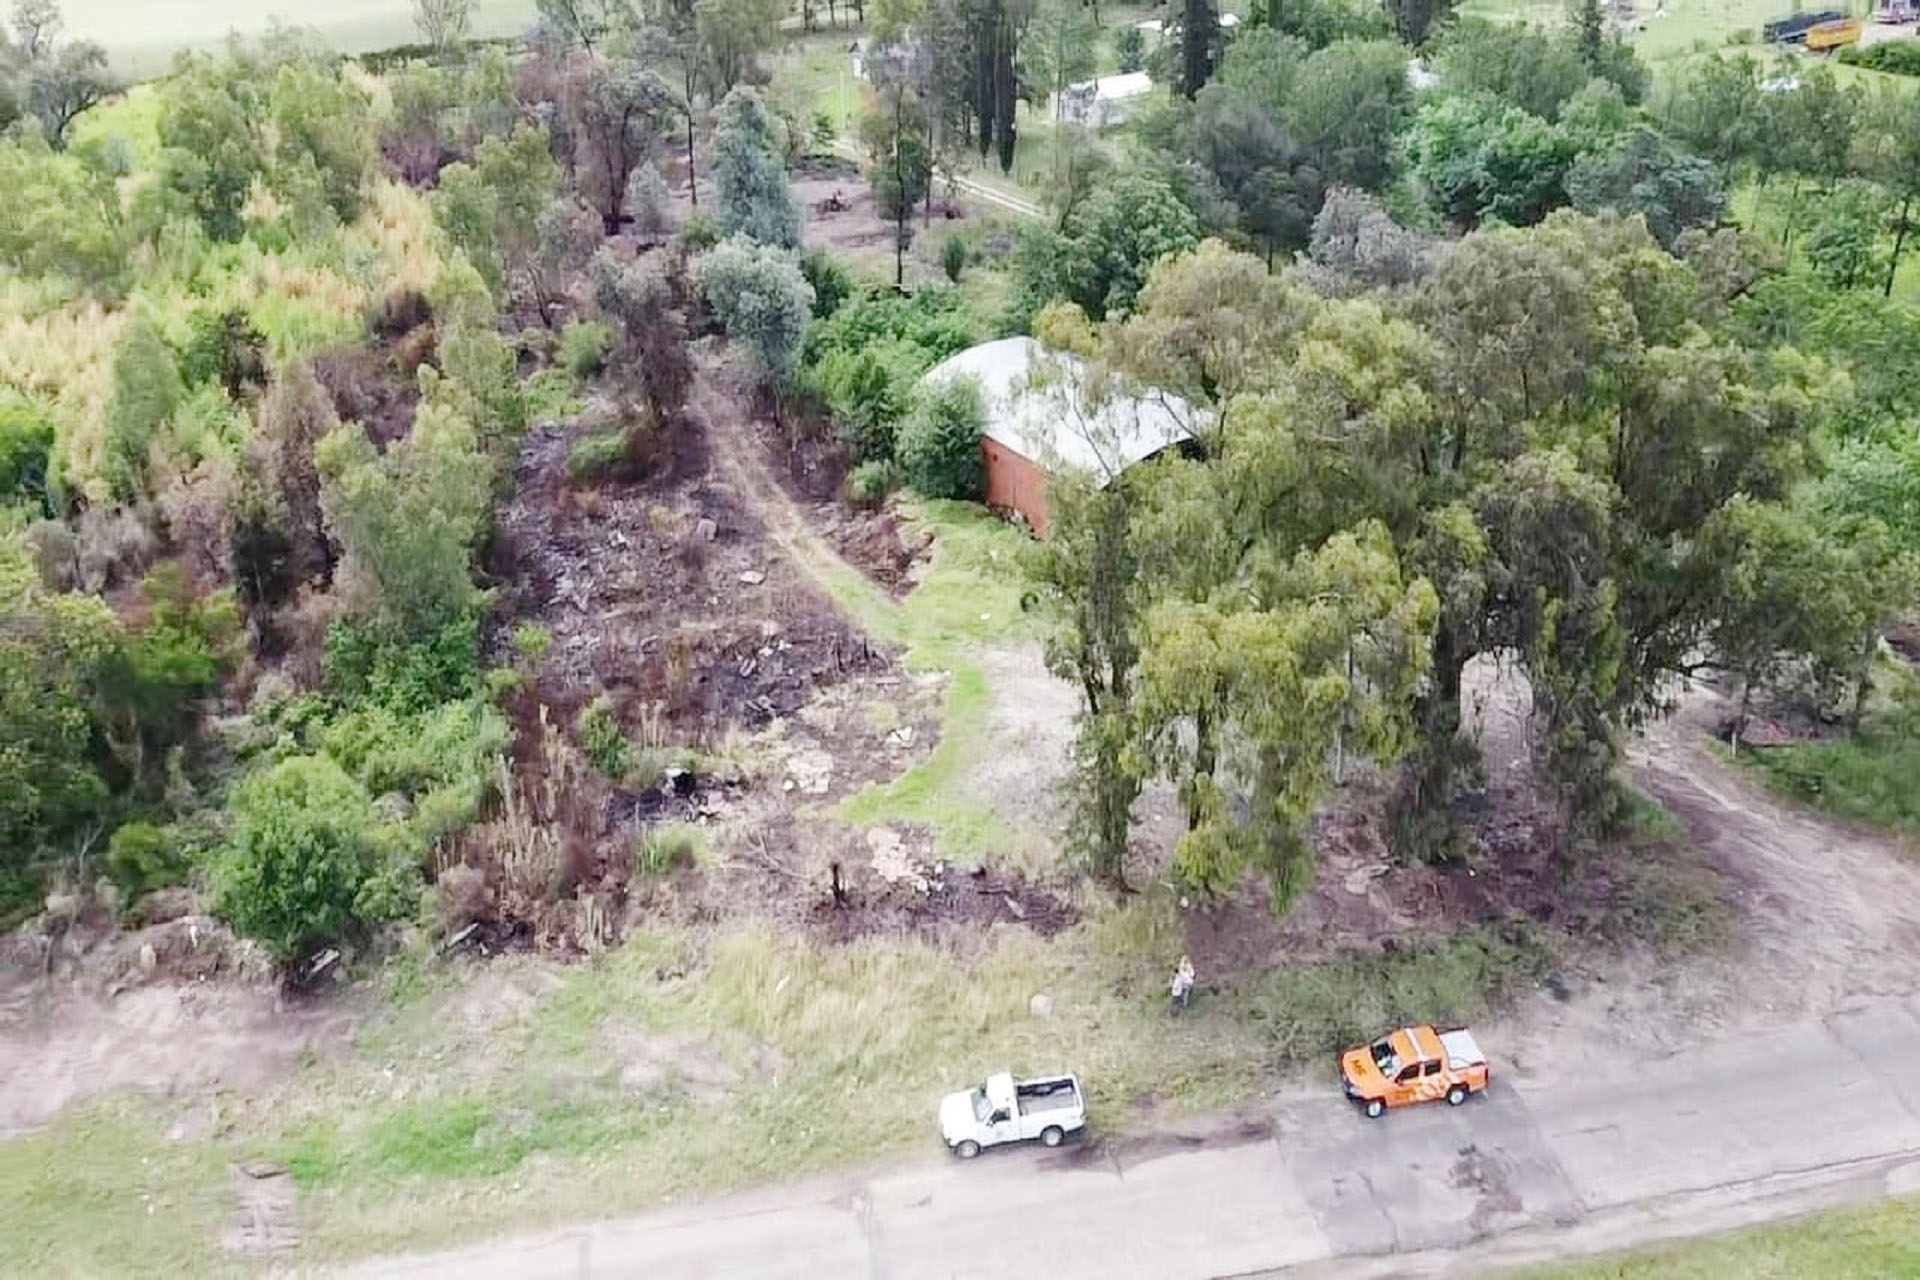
<point x="1001" y="1110"/>
<point x="1414" y="1064"/>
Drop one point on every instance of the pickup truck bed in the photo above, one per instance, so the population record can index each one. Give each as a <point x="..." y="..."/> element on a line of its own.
<point x="1463" y="1050"/>
<point x="1036" y="1096"/>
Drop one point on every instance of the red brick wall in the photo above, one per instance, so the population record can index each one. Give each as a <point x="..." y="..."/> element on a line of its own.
<point x="1017" y="484"/>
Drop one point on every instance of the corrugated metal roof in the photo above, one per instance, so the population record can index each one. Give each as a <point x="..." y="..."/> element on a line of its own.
<point x="1032" y="409"/>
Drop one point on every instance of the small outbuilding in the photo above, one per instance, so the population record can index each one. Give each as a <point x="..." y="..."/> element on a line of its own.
<point x="1040" y="424"/>
<point x="1102" y="103"/>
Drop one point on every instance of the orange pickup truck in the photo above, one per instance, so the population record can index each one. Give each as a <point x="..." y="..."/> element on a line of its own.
<point x="1413" y="1064"/>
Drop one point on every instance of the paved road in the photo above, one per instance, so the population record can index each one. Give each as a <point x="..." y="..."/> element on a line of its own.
<point x="1749" y="1128"/>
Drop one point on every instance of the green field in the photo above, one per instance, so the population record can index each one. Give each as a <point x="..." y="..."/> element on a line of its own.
<point x="142" y="38"/>
<point x="1881" y="1242"/>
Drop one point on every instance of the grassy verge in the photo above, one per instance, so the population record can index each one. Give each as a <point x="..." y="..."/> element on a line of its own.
<point x="1870" y="777"/>
<point x="1877" y="1243"/>
<point x="680" y="1066"/>
<point x="105" y="1193"/>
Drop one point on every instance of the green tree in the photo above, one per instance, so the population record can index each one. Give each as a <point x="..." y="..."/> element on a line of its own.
<point x="61" y="85"/>
<point x="1718" y="110"/>
<point x="939" y="445"/>
<point x="1477" y="157"/>
<point x="52" y="647"/>
<point x="1790" y="601"/>
<point x="752" y="182"/>
<point x="1415" y="20"/>
<point x="212" y="150"/>
<point x="466" y="209"/>
<point x="1109" y="245"/>
<point x="899" y="165"/>
<point x="407" y="521"/>
<point x="323" y="125"/>
<point x="1319" y="23"/>
<point x="1199" y="33"/>
<point x="651" y="331"/>
<point x="1803" y="126"/>
<point x="1891" y="143"/>
<point x="622" y="112"/>
<point x="1246" y="703"/>
<point x="306" y="863"/>
<point x="1348" y="105"/>
<point x="1845" y="247"/>
<point x="733" y="34"/>
<point x="1059" y="46"/>
<point x="761" y="299"/>
<point x="63" y="216"/>
<point x="1592" y="36"/>
<point x="1643" y="173"/>
<point x="585" y="22"/>
<point x="1088" y="561"/>
<point x="146" y="391"/>
<point x="1532" y="68"/>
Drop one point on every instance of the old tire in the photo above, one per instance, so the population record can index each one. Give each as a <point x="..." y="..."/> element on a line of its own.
<point x="1375" y="1108"/>
<point x="1051" y="1136"/>
<point x="967" y="1150"/>
<point x="1456" y="1095"/>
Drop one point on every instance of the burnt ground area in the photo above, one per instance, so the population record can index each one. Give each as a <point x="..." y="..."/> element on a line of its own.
<point x="750" y="705"/>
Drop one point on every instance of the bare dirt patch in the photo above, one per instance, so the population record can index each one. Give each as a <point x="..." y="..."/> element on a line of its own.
<point x="101" y="1021"/>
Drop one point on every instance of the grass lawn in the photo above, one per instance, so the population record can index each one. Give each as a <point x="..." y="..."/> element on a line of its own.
<point x="141" y="39"/>
<point x="1880" y="1242"/>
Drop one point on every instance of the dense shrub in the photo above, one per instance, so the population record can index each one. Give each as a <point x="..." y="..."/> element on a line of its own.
<point x="583" y="347"/>
<point x="939" y="445"/>
<point x="26" y="445"/>
<point x="831" y="283"/>
<point x="142" y="856"/>
<point x="365" y="663"/>
<point x="663" y="850"/>
<point x="602" y="739"/>
<point x="307" y="863"/>
<point x="869" y="483"/>
<point x="1896" y="57"/>
<point x="600" y="456"/>
<point x="935" y="319"/>
<point x="868" y="391"/>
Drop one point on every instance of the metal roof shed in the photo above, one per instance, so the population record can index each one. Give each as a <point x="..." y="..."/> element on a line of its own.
<point x="1039" y="425"/>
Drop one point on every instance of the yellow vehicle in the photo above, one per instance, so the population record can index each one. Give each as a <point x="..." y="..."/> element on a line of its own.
<point x="1827" y="36"/>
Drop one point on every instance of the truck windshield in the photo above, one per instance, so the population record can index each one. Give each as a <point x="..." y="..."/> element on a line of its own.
<point x="1384" y="1057"/>
<point x="980" y="1108"/>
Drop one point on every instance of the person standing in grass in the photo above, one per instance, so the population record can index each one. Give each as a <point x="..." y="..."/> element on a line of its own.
<point x="1182" y="984"/>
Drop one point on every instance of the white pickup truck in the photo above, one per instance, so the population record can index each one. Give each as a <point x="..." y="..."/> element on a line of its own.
<point x="1001" y="1110"/>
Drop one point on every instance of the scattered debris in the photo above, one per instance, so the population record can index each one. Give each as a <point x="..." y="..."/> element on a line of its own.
<point x="893" y="864"/>
<point x="811" y="770"/>
<point x="263" y="1219"/>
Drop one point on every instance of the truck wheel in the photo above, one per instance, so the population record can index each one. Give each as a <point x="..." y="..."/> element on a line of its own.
<point x="1456" y="1095"/>
<point x="967" y="1150"/>
<point x="1051" y="1136"/>
<point x="1376" y="1107"/>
